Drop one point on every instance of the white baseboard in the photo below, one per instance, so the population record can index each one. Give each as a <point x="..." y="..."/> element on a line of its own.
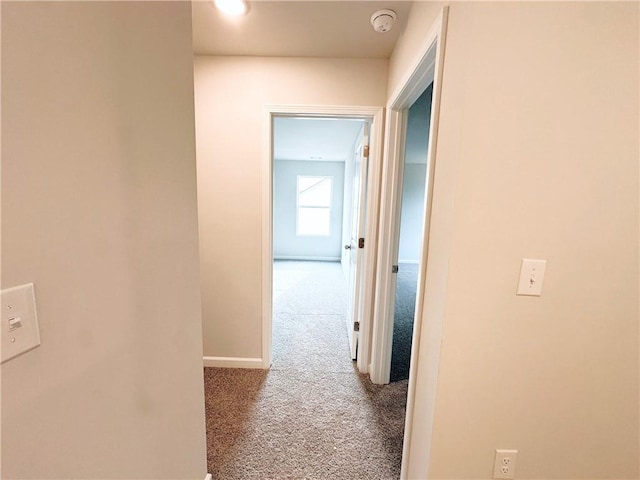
<point x="232" y="362"/>
<point x="415" y="262"/>
<point x="305" y="258"/>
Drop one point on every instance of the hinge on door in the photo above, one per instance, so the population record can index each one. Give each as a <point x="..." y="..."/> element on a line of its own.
<point x="356" y="326"/>
<point x="365" y="151"/>
<point x="394" y="269"/>
<point x="361" y="243"/>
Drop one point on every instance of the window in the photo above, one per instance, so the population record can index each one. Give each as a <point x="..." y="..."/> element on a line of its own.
<point x="314" y="205"/>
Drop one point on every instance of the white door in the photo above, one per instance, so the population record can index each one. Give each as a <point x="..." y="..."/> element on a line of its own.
<point x="355" y="248"/>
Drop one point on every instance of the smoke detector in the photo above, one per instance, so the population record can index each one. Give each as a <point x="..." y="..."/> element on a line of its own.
<point x="383" y="20"/>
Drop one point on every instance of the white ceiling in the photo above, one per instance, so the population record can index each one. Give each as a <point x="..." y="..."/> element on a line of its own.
<point x="314" y="139"/>
<point x="332" y="29"/>
<point x="301" y="28"/>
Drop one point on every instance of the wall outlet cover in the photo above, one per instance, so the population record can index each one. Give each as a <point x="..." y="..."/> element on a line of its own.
<point x="505" y="464"/>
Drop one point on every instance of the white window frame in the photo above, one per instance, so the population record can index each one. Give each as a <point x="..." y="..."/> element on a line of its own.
<point x="329" y="207"/>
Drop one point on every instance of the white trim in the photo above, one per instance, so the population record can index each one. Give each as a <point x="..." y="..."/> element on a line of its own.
<point x="426" y="66"/>
<point x="389" y="233"/>
<point x="436" y="36"/>
<point x="397" y="118"/>
<point x="232" y="362"/>
<point x="376" y="116"/>
<point x="413" y="262"/>
<point x="304" y="258"/>
<point x="371" y="243"/>
<point x="267" y="236"/>
<point x="208" y="476"/>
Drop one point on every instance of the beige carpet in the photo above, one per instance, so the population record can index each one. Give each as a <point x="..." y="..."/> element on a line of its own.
<point x="311" y="415"/>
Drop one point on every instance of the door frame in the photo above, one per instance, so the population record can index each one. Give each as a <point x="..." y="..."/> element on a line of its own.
<point x="427" y="66"/>
<point x="426" y="71"/>
<point x="375" y="115"/>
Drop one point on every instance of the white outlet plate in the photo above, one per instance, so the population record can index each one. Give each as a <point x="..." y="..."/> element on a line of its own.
<point x="19" y="329"/>
<point x="531" y="277"/>
<point x="505" y="464"/>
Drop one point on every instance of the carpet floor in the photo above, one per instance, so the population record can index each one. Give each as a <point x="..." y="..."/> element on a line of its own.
<point x="311" y="415"/>
<point x="404" y="311"/>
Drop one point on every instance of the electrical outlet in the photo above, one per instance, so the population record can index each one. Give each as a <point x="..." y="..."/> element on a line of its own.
<point x="505" y="464"/>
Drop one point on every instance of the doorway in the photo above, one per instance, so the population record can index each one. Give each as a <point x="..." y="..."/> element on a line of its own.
<point x="316" y="199"/>
<point x="412" y="214"/>
<point x="427" y="328"/>
<point x="310" y="199"/>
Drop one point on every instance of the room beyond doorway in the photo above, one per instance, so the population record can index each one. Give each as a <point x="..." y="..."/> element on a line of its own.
<point x="312" y="164"/>
<point x="412" y="214"/>
<point x="313" y="202"/>
<point x="318" y="198"/>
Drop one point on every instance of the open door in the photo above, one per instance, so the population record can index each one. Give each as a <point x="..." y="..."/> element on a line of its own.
<point x="355" y="247"/>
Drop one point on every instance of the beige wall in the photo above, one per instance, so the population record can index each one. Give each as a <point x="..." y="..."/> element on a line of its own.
<point x="0" y="227"/>
<point x="411" y="43"/>
<point x="537" y="157"/>
<point x="230" y="94"/>
<point x="99" y="211"/>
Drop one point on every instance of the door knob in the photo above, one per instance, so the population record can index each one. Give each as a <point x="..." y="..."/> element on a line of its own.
<point x="347" y="247"/>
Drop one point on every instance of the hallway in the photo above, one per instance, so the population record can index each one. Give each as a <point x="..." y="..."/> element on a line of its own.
<point x="311" y="415"/>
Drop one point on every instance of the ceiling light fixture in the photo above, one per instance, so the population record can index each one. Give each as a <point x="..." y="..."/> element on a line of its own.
<point x="383" y="20"/>
<point x="232" y="7"/>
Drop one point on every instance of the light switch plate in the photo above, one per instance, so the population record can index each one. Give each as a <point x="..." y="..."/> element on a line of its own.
<point x="20" y="332"/>
<point x="531" y="277"/>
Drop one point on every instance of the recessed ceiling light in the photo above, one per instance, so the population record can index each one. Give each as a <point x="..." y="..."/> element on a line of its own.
<point x="232" y="7"/>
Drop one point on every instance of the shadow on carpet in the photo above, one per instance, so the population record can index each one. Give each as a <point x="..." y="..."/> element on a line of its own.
<point x="275" y="425"/>
<point x="311" y="415"/>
